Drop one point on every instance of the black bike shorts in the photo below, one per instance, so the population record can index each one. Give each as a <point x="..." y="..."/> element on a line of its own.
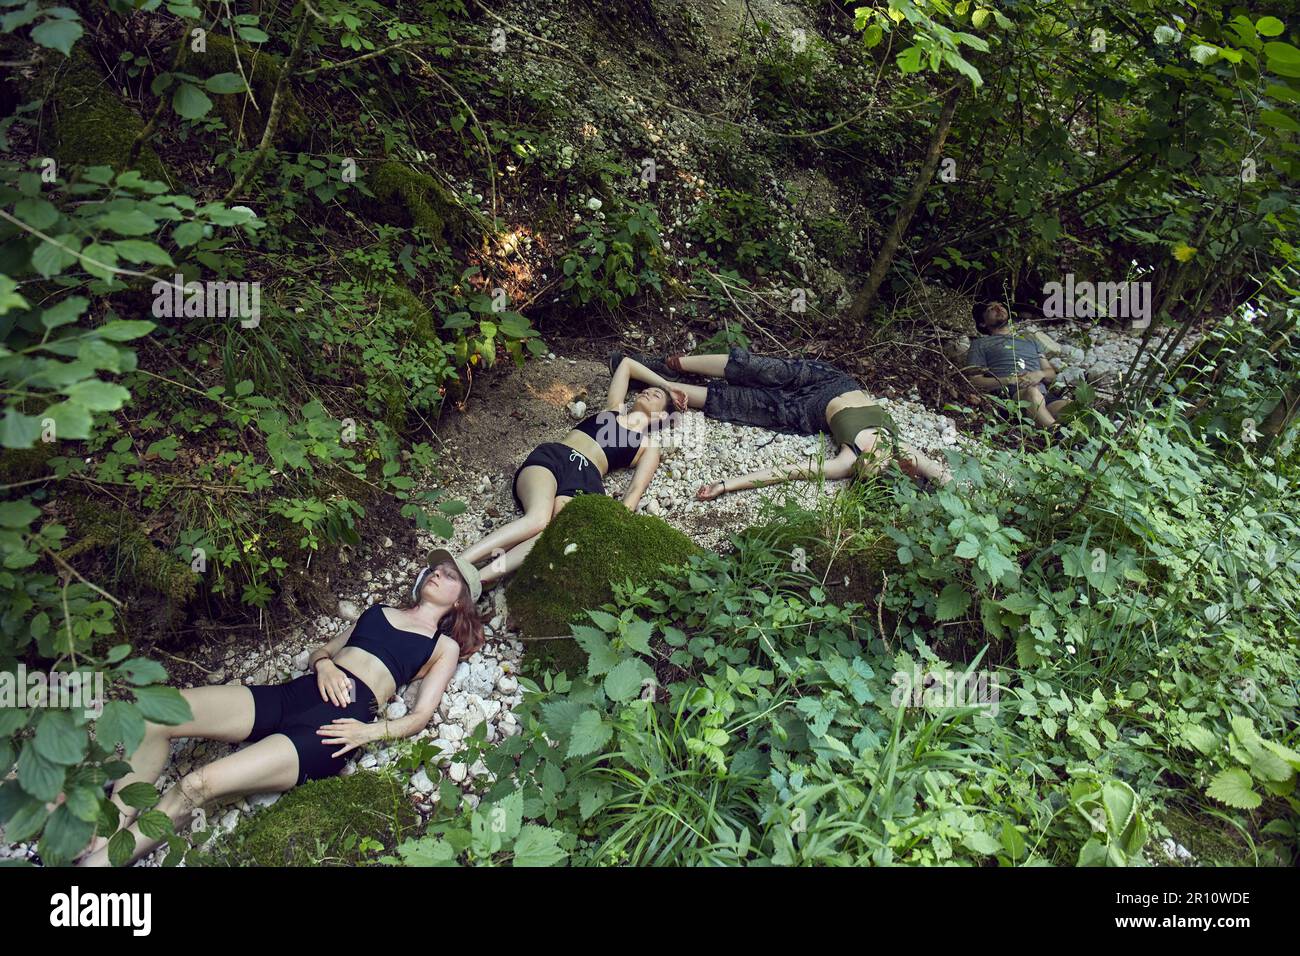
<point x="296" y="710"/>
<point x="574" y="472"/>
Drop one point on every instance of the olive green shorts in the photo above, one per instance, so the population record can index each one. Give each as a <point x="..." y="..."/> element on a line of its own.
<point x="849" y="421"/>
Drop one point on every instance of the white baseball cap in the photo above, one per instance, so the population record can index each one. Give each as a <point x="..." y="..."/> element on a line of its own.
<point x="467" y="571"/>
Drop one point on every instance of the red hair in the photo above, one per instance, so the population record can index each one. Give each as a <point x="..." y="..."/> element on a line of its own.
<point x="465" y="626"/>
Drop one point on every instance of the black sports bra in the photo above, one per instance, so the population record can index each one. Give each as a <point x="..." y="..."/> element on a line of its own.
<point x="620" y="443"/>
<point x="402" y="652"/>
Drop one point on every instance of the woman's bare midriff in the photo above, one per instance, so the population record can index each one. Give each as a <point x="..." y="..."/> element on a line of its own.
<point x="369" y="669"/>
<point x="585" y="445"/>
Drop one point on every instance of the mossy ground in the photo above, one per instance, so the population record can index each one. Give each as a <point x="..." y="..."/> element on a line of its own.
<point x="92" y="126"/>
<point x="135" y="558"/>
<point x="406" y="197"/>
<point x="321" y="823"/>
<point x="552" y="588"/>
<point x="241" y="117"/>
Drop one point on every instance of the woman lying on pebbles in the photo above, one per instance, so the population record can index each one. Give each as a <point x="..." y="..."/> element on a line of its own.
<point x="555" y="472"/>
<point x="790" y="395"/>
<point x="302" y="730"/>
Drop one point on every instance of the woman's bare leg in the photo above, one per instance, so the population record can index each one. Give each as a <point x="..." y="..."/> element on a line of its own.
<point x="515" y="556"/>
<point x="536" y="488"/>
<point x="270" y="765"/>
<point x="222" y="713"/>
<point x="711" y="365"/>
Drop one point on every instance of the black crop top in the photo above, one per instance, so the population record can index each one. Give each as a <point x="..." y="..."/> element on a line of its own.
<point x="619" y="445"/>
<point x="403" y="652"/>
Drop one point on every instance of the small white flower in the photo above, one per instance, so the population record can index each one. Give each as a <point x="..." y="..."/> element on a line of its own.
<point x="593" y="203"/>
<point x="1070" y="648"/>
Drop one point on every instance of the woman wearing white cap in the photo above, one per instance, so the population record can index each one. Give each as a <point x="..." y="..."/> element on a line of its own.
<point x="302" y="730"/>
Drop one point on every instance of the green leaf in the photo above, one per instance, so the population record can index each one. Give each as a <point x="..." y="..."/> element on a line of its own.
<point x="590" y="733"/>
<point x="538" y="846"/>
<point x="139" y="795"/>
<point x="190" y="102"/>
<point x="953" y="602"/>
<point x="427" y="851"/>
<point x="38" y="776"/>
<point x="1120" y="801"/>
<point x="1200" y="738"/>
<point x="51" y="258"/>
<point x="978" y="841"/>
<point x="65" y="835"/>
<point x="223" y="83"/>
<point x="128" y="222"/>
<point x="121" y="847"/>
<point x="120" y="723"/>
<point x="163" y="705"/>
<point x="137" y="250"/>
<point x="59" y="740"/>
<point x="187" y="233"/>
<point x="37" y="213"/>
<point x="1233" y="787"/>
<point x="18" y="514"/>
<point x="1269" y="26"/>
<point x="98" y="396"/>
<point x="83" y="802"/>
<point x="623" y="682"/>
<point x="123" y="330"/>
<point x="155" y="824"/>
<point x="637" y="636"/>
<point x="65" y="312"/>
<point x="909" y="60"/>
<point x="58" y="35"/>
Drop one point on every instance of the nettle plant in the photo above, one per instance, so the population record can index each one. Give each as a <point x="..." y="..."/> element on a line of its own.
<point x="617" y="256"/>
<point x="730" y="715"/>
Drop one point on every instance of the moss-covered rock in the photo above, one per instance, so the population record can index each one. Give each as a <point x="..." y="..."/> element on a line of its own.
<point x="592" y="544"/>
<point x="135" y="558"/>
<point x="236" y="111"/>
<point x="321" y="823"/>
<point x="91" y="125"/>
<point x="407" y="197"/>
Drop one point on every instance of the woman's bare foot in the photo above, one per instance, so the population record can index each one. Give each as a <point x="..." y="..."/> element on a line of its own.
<point x="710" y="491"/>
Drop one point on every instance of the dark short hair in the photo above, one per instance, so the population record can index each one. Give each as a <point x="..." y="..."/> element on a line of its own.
<point x="981" y="321"/>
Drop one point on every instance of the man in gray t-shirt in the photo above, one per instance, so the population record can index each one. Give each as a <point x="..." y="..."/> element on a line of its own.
<point x="1001" y="363"/>
<point x="1005" y="355"/>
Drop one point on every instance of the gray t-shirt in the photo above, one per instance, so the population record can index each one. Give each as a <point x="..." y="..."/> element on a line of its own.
<point x="1004" y="355"/>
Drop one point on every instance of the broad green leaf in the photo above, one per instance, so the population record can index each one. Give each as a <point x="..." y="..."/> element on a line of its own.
<point x="538" y="846"/>
<point x="58" y="34"/>
<point x="590" y="733"/>
<point x="163" y="705"/>
<point x="223" y="83"/>
<point x="1233" y="787"/>
<point x="190" y="102"/>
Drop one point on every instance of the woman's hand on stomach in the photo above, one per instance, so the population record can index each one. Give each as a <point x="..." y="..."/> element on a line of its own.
<point x="370" y="670"/>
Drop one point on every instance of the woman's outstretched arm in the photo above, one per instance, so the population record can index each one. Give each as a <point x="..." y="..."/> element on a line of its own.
<point x="836" y="468"/>
<point x="645" y="470"/>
